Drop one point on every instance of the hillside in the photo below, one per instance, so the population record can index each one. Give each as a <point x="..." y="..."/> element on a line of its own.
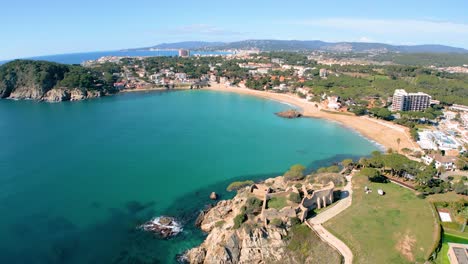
<point x="48" y="81"/>
<point x="309" y="45"/>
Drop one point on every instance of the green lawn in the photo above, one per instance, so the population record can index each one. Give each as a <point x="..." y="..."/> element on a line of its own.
<point x="442" y="257"/>
<point x="395" y="228"/>
<point x="277" y="202"/>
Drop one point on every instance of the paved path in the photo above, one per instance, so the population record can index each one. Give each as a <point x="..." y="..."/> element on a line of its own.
<point x="316" y="222"/>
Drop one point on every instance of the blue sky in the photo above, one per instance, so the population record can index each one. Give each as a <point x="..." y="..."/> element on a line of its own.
<point x="32" y="27"/>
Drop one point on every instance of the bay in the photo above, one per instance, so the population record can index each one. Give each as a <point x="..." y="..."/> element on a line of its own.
<point x="77" y="178"/>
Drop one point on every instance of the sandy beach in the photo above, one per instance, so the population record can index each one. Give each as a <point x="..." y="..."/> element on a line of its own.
<point x="382" y="132"/>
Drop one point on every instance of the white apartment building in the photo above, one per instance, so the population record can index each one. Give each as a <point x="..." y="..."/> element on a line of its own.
<point x="403" y="101"/>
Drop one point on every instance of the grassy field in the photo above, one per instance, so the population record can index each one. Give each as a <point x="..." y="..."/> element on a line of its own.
<point x="395" y="228"/>
<point x="277" y="202"/>
<point x="306" y="247"/>
<point x="442" y="257"/>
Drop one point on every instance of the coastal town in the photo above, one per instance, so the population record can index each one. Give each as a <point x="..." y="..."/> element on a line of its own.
<point x="426" y="134"/>
<point x="440" y="130"/>
<point x="418" y="178"/>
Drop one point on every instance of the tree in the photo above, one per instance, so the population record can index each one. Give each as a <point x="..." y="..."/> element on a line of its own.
<point x="347" y="162"/>
<point x="398" y="140"/>
<point x="296" y="172"/>
<point x="373" y="175"/>
<point x="464" y="214"/>
<point x="234" y="186"/>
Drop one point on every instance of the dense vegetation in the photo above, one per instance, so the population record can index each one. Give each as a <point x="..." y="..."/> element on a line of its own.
<point x="44" y="76"/>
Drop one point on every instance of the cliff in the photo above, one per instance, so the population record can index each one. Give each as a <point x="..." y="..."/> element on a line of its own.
<point x="237" y="233"/>
<point x="51" y="82"/>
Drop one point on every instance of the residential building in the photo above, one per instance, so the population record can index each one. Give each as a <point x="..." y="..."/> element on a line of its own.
<point x="447" y="162"/>
<point x="323" y="73"/>
<point x="458" y="253"/>
<point x="333" y="102"/>
<point x="403" y="101"/>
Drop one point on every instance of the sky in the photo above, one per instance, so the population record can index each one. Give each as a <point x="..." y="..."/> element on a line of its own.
<point x="34" y="28"/>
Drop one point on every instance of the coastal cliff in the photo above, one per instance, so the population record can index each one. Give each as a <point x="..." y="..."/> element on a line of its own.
<point x="51" y="82"/>
<point x="237" y="234"/>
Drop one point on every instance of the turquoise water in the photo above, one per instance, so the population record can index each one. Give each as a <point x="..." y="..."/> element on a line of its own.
<point x="77" y="58"/>
<point x="76" y="178"/>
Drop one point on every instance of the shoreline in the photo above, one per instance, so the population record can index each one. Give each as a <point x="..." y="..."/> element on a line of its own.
<point x="383" y="134"/>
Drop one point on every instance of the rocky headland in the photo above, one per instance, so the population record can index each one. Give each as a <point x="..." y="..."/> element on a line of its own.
<point x="238" y="232"/>
<point x="50" y="82"/>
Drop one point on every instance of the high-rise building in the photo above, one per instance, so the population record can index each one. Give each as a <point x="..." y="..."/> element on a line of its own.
<point x="403" y="101"/>
<point x="184" y="53"/>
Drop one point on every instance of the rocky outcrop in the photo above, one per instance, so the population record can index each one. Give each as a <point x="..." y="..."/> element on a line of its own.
<point x="57" y="95"/>
<point x="94" y="94"/>
<point x="77" y="94"/>
<point x="245" y="245"/>
<point x="292" y="113"/>
<point x="33" y="93"/>
<point x="163" y="226"/>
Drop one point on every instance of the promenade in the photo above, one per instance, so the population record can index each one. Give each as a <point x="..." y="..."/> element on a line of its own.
<point x="316" y="222"/>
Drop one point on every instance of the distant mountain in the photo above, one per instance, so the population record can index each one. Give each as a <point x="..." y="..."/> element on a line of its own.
<point x="308" y="45"/>
<point x="184" y="45"/>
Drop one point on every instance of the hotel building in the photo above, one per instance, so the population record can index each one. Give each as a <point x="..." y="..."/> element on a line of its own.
<point x="403" y="101"/>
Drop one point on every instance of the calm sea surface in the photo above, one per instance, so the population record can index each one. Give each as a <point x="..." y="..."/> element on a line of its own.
<point x="77" y="58"/>
<point x="77" y="178"/>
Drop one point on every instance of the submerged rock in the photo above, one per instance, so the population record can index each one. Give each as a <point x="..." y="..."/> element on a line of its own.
<point x="291" y="113"/>
<point x="163" y="226"/>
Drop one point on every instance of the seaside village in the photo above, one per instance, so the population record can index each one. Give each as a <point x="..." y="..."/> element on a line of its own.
<point x="440" y="139"/>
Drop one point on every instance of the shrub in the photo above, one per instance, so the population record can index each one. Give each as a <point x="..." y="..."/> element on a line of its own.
<point x="296" y="172"/>
<point x="238" y="185"/>
<point x="298" y="185"/>
<point x="276" y="222"/>
<point x="220" y="223"/>
<point x="253" y="205"/>
<point x="295" y="197"/>
<point x="421" y="196"/>
<point x="294" y="221"/>
<point x="347" y="162"/>
<point x="373" y="175"/>
<point x="238" y="220"/>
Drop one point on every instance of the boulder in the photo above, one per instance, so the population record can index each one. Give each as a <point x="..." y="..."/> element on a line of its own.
<point x="213" y="196"/>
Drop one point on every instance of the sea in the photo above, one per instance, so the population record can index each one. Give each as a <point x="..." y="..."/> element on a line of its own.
<point x="78" y="58"/>
<point x="78" y="178"/>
